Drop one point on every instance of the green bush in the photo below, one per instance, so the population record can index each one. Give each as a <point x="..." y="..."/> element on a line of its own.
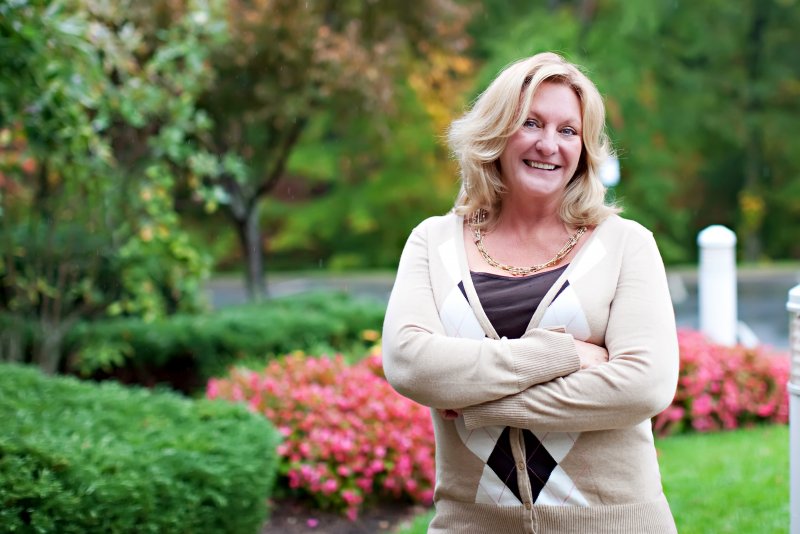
<point x="183" y="351"/>
<point x="85" y="457"/>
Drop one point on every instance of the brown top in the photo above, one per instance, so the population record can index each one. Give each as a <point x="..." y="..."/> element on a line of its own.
<point x="509" y="301"/>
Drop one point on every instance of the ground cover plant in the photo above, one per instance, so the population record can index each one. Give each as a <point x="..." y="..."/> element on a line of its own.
<point x="80" y="457"/>
<point x="348" y="436"/>
<point x="728" y="481"/>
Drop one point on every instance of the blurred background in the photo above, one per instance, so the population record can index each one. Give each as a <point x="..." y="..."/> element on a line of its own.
<point x="170" y="169"/>
<point x="150" y="148"/>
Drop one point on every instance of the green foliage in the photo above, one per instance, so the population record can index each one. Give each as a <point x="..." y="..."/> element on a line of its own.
<point x="84" y="458"/>
<point x="54" y="167"/>
<point x="98" y="117"/>
<point x="185" y="350"/>
<point x="604" y="42"/>
<point x="698" y="98"/>
<point x="373" y="192"/>
<point x="287" y="65"/>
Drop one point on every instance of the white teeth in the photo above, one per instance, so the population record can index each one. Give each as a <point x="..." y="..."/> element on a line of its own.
<point x="537" y="165"/>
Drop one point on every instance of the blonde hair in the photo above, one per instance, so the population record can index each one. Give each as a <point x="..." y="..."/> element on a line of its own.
<point x="479" y="137"/>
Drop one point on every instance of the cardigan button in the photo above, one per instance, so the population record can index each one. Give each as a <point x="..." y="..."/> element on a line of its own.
<point x="527" y="505"/>
<point x="520" y="465"/>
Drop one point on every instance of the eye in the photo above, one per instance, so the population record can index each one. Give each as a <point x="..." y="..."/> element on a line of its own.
<point x="530" y="123"/>
<point x="569" y="131"/>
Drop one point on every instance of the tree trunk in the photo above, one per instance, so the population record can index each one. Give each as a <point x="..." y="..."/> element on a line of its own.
<point x="250" y="239"/>
<point x="752" y="212"/>
<point x="48" y="354"/>
<point x="11" y="342"/>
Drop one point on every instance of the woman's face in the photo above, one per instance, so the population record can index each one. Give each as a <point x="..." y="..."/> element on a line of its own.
<point x="542" y="156"/>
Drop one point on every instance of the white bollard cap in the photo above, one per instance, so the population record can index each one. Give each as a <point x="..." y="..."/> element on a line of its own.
<point x="716" y="236"/>
<point x="793" y="304"/>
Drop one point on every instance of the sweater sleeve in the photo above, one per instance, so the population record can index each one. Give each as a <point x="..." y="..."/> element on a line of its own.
<point x="424" y="364"/>
<point x="639" y="379"/>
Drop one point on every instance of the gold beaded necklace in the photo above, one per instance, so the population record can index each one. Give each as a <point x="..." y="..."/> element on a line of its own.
<point x="522" y="271"/>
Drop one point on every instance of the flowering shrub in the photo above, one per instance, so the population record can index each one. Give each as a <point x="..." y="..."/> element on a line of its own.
<point x="725" y="387"/>
<point x="347" y="433"/>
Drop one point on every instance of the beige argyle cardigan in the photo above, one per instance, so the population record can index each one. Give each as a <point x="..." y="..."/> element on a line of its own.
<point x="541" y="446"/>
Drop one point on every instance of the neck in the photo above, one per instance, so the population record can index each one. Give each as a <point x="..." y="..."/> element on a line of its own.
<point x="530" y="221"/>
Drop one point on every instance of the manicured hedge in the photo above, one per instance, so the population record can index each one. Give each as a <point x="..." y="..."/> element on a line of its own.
<point x="84" y="457"/>
<point x="183" y="351"/>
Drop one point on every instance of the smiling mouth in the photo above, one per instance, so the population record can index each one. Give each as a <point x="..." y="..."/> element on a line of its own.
<point x="540" y="165"/>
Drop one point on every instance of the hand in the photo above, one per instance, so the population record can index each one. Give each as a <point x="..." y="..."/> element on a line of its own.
<point x="590" y="355"/>
<point x="449" y="415"/>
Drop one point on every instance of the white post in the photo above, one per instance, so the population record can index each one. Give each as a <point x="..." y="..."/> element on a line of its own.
<point x="717" y="284"/>
<point x="793" y="305"/>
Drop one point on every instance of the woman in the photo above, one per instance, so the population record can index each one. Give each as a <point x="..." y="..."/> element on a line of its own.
<point x="536" y="323"/>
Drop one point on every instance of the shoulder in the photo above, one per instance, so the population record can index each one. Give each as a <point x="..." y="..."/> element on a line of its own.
<point x="626" y="237"/>
<point x="625" y="232"/>
<point x="628" y="226"/>
<point x="439" y="227"/>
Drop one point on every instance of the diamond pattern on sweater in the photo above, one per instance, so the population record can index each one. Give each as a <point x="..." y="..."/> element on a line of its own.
<point x="566" y="311"/>
<point x="449" y="256"/>
<point x="458" y="318"/>
<point x="559" y="489"/>
<point x="502" y="462"/>
<point x="498" y="485"/>
<point x="539" y="463"/>
<point x="480" y="441"/>
<point x="492" y="488"/>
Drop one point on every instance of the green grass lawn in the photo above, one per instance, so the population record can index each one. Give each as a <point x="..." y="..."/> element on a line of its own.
<point x="720" y="482"/>
<point x="729" y="481"/>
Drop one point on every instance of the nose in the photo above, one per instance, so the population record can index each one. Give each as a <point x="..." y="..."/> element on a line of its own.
<point x="546" y="144"/>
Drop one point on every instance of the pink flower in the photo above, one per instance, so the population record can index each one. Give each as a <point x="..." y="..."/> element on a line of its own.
<point x="212" y="389"/>
<point x="702" y="405"/>
<point x="725" y="387"/>
<point x="329" y="486"/>
<point x="346" y="432"/>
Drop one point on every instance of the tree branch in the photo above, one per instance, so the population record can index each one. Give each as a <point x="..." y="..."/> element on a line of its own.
<point x="291" y="139"/>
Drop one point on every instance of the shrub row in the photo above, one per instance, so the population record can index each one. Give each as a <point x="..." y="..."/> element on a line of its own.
<point x="82" y="457"/>
<point x="723" y="387"/>
<point x="183" y="351"/>
<point x="348" y="434"/>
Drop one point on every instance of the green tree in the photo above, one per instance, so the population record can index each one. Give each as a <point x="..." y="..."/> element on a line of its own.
<point x="367" y="184"/>
<point x="699" y="97"/>
<point x="733" y="81"/>
<point x="291" y="62"/>
<point x="87" y="228"/>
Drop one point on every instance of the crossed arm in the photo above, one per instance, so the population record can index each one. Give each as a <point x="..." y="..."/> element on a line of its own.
<point x="546" y="380"/>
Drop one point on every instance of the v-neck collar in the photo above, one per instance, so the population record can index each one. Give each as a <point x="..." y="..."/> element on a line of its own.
<point x="472" y="295"/>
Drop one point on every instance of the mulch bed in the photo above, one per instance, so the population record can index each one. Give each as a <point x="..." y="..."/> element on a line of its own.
<point x="291" y="516"/>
